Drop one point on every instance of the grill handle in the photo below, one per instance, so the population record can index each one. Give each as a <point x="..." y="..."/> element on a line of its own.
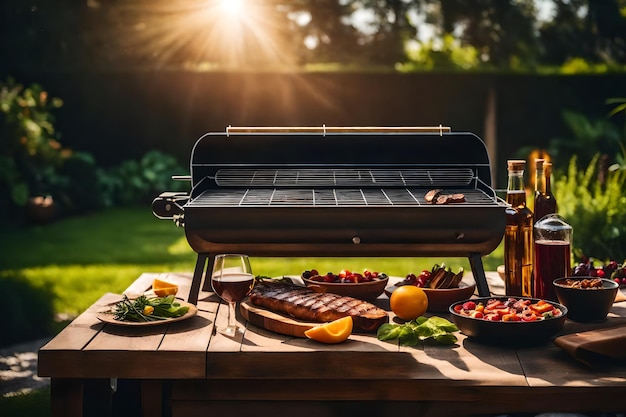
<point x="169" y="205"/>
<point x="334" y="129"/>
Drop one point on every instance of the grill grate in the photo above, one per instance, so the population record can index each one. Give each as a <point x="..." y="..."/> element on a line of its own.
<point x="327" y="197"/>
<point x="421" y="177"/>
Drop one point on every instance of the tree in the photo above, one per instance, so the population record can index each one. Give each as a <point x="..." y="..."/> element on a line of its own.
<point x="121" y="34"/>
<point x="391" y="27"/>
<point x="501" y="30"/>
<point x="589" y="29"/>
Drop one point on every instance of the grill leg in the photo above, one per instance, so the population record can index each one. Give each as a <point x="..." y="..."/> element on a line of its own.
<point x="478" y="270"/>
<point x="209" y="272"/>
<point x="198" y="274"/>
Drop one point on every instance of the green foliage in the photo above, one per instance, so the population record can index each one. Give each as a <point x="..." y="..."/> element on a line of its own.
<point x="449" y="56"/>
<point x="581" y="66"/>
<point x="32" y="161"/>
<point x="28" y="309"/>
<point x="30" y="151"/>
<point x="78" y="186"/>
<point x="595" y="208"/>
<point x="138" y="182"/>
<point x="620" y="107"/>
<point x="588" y="137"/>
<point x="81" y="185"/>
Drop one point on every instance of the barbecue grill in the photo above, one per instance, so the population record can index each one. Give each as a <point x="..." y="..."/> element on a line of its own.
<point x="337" y="192"/>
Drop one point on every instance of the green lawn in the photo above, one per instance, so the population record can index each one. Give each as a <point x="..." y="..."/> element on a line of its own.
<point x="80" y="258"/>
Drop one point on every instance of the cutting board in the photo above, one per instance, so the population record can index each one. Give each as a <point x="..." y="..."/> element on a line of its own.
<point x="273" y="321"/>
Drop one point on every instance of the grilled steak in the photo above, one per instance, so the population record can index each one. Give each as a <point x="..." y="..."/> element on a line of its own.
<point x="432" y="195"/>
<point x="303" y="303"/>
<point x="449" y="198"/>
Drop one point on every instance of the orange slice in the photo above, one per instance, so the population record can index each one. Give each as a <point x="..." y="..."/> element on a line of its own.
<point x="163" y="288"/>
<point x="333" y="332"/>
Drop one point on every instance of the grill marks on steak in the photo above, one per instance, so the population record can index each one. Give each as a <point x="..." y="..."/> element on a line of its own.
<point x="302" y="303"/>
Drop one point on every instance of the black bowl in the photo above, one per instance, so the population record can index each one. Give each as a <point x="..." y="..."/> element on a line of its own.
<point x="510" y="333"/>
<point x="586" y="305"/>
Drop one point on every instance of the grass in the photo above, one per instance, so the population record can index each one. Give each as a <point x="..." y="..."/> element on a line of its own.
<point x="80" y="258"/>
<point x="33" y="404"/>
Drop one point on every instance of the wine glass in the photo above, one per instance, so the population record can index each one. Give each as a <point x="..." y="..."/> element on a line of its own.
<point x="232" y="280"/>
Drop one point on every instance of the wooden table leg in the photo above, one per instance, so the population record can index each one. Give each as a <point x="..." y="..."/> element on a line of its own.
<point x="151" y="398"/>
<point x="97" y="397"/>
<point x="66" y="397"/>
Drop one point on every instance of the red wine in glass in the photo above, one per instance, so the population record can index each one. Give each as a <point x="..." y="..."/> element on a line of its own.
<point x="232" y="280"/>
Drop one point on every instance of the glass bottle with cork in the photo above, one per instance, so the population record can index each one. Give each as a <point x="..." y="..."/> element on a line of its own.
<point x="545" y="203"/>
<point x="518" y="237"/>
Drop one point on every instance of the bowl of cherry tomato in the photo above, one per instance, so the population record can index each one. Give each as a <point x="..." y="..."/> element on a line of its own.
<point x="509" y="320"/>
<point x="366" y="285"/>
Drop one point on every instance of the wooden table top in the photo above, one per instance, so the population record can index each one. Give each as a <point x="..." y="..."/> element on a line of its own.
<point x="192" y="350"/>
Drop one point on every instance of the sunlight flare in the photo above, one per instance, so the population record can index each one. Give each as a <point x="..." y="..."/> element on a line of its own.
<point x="232" y="8"/>
<point x="210" y="33"/>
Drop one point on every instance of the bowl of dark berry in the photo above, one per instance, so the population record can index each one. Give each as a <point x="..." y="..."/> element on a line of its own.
<point x="364" y="286"/>
<point x="588" y="299"/>
<point x="594" y="268"/>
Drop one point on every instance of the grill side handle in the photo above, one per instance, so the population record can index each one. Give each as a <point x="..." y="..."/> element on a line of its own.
<point x="169" y="205"/>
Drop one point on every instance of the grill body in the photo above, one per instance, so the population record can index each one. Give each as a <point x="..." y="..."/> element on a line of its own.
<point x="338" y="194"/>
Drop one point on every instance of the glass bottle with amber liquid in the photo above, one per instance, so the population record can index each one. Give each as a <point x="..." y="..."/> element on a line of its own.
<point x="545" y="203"/>
<point x="518" y="237"/>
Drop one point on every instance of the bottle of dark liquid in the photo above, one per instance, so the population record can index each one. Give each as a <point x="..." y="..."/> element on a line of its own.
<point x="553" y="239"/>
<point x="545" y="203"/>
<point x="518" y="237"/>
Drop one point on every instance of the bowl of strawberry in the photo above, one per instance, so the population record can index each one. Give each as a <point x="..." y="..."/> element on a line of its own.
<point x="365" y="285"/>
<point x="515" y="321"/>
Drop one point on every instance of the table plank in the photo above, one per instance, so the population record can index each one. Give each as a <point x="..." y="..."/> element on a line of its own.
<point x="54" y="358"/>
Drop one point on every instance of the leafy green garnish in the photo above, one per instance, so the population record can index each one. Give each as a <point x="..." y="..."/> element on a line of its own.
<point x="164" y="308"/>
<point x="261" y="278"/>
<point x="420" y="329"/>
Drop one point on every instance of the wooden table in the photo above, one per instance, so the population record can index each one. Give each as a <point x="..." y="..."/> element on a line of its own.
<point x="187" y="369"/>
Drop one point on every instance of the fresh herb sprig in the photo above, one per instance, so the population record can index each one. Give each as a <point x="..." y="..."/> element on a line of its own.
<point x="159" y="308"/>
<point x="420" y="329"/>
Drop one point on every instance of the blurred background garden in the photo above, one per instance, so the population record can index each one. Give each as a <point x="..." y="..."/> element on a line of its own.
<point x="101" y="103"/>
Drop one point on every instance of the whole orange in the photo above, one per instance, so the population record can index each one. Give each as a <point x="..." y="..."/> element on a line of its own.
<point x="408" y="302"/>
